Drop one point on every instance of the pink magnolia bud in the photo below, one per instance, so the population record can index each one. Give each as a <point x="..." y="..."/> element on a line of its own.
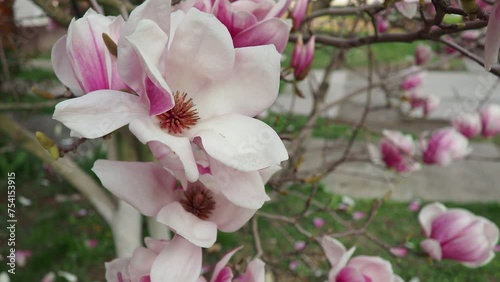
<point x="298" y="12"/>
<point x="444" y="146"/>
<point x="399" y="251"/>
<point x="382" y="25"/>
<point x="490" y="120"/>
<point x="457" y="234"/>
<point x="302" y="58"/>
<point x="357" y="215"/>
<point x="412" y="81"/>
<point x="396" y="151"/>
<point x="468" y="124"/>
<point x="492" y="39"/>
<point x="293" y="265"/>
<point x="414" y="205"/>
<point x="423" y="53"/>
<point x="299" y="245"/>
<point x="428" y="103"/>
<point x="318" y="222"/>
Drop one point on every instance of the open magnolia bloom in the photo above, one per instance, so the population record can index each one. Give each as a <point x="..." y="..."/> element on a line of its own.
<point x="396" y="151"/>
<point x="250" y="22"/>
<point x="195" y="213"/>
<point x="82" y="61"/>
<point x="190" y="83"/>
<point x="161" y="261"/>
<point x="357" y="269"/>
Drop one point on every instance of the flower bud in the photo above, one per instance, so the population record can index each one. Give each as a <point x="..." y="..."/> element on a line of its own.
<point x="468" y="124"/>
<point x="302" y="58"/>
<point x="490" y="120"/>
<point x="423" y="53"/>
<point x="444" y="146"/>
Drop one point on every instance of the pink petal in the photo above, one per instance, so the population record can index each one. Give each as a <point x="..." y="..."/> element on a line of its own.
<point x="199" y="232"/>
<point x="492" y="39"/>
<point x="99" y="113"/>
<point x="154" y="10"/>
<point x="234" y="20"/>
<point x="376" y="268"/>
<point x="146" y="186"/>
<point x="433" y="248"/>
<point x="336" y="254"/>
<point x="228" y="216"/>
<point x="299" y="245"/>
<point x="428" y="214"/>
<point x="298" y="12"/>
<point x="318" y="222"/>
<point x="63" y="68"/>
<point x="145" y="130"/>
<point x="240" y="142"/>
<point x="271" y="31"/>
<point x="231" y="95"/>
<point x="255" y="272"/>
<point x="222" y="264"/>
<point x="117" y="270"/>
<point x="399" y="251"/>
<point x="179" y="261"/>
<point x="140" y="263"/>
<point x="201" y="51"/>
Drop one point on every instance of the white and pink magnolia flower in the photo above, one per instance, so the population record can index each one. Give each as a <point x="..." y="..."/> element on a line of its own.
<point x="423" y="53"/>
<point x="492" y="39"/>
<point x="490" y="120"/>
<point x="299" y="12"/>
<point x="468" y="124"/>
<point x="457" y="234"/>
<point x="82" y="61"/>
<point x="412" y="81"/>
<point x="191" y="85"/>
<point x="395" y="151"/>
<point x="195" y="212"/>
<point x="357" y="269"/>
<point x="444" y="146"/>
<point x="159" y="261"/>
<point x="250" y="22"/>
<point x="302" y="58"/>
<point x="428" y="103"/>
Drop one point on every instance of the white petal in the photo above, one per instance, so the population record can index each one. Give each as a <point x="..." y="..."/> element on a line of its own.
<point x="427" y="215"/>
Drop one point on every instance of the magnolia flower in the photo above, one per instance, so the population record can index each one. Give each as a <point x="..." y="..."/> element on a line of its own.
<point x="423" y="53"/>
<point x="302" y="58"/>
<point x="457" y="234"/>
<point x="412" y="81"/>
<point x="195" y="212"/>
<point x="160" y="261"/>
<point x="298" y="12"/>
<point x="250" y="22"/>
<point x="399" y="251"/>
<point x="360" y="268"/>
<point x="382" y="24"/>
<point x="428" y="103"/>
<point x="191" y="85"/>
<point x="492" y="39"/>
<point x="82" y="61"/>
<point x="407" y="8"/>
<point x="468" y="124"/>
<point x="318" y="222"/>
<point x="396" y="151"/>
<point x="490" y="120"/>
<point x="444" y="146"/>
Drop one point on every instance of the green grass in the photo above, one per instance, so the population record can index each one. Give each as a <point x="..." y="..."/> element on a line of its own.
<point x="36" y="75"/>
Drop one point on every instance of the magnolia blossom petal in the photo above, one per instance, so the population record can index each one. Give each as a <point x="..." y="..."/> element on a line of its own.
<point x="376" y="268"/>
<point x="336" y="254"/>
<point x="428" y="214"/>
<point x="433" y="248"/>
<point x="232" y="95"/>
<point x="237" y="19"/>
<point x="145" y="130"/>
<point x="155" y="10"/>
<point x="256" y="272"/>
<point x="298" y="12"/>
<point x="201" y="51"/>
<point x="140" y="263"/>
<point x="267" y="173"/>
<point x="63" y="68"/>
<point x="228" y="216"/>
<point x="240" y="142"/>
<point x="158" y="93"/>
<point x="99" y="113"/>
<point x="407" y="8"/>
<point x="199" y="232"/>
<point x="492" y="39"/>
<point x="117" y="270"/>
<point x="222" y="264"/>
<point x="271" y="31"/>
<point x="145" y="186"/>
<point x="179" y="261"/>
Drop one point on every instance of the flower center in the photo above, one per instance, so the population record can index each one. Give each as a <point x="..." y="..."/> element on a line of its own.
<point x="198" y="201"/>
<point x="182" y="116"/>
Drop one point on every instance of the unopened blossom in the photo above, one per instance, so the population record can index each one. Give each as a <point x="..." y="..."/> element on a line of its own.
<point x="444" y="146"/>
<point x="194" y="85"/>
<point x="382" y="24"/>
<point x="399" y="251"/>
<point x="293" y="265"/>
<point x="414" y="205"/>
<point x="490" y="120"/>
<point x="412" y="81"/>
<point x="358" y="215"/>
<point x="195" y="212"/>
<point x="299" y="245"/>
<point x="457" y="234"/>
<point x="427" y="103"/>
<point x="318" y="222"/>
<point x="174" y="260"/>
<point x="302" y="58"/>
<point x="468" y="124"/>
<point x="250" y="22"/>
<point x="423" y="53"/>
<point x="396" y="151"/>
<point x="22" y="257"/>
<point x="492" y="39"/>
<point x="357" y="269"/>
<point x="299" y="12"/>
<point x="408" y="8"/>
<point x="81" y="59"/>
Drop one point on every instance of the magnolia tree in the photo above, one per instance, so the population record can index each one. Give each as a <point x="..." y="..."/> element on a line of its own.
<point x="191" y="79"/>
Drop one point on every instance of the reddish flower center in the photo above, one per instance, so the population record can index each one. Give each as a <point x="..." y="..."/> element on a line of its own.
<point x="198" y="201"/>
<point x="182" y="116"/>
